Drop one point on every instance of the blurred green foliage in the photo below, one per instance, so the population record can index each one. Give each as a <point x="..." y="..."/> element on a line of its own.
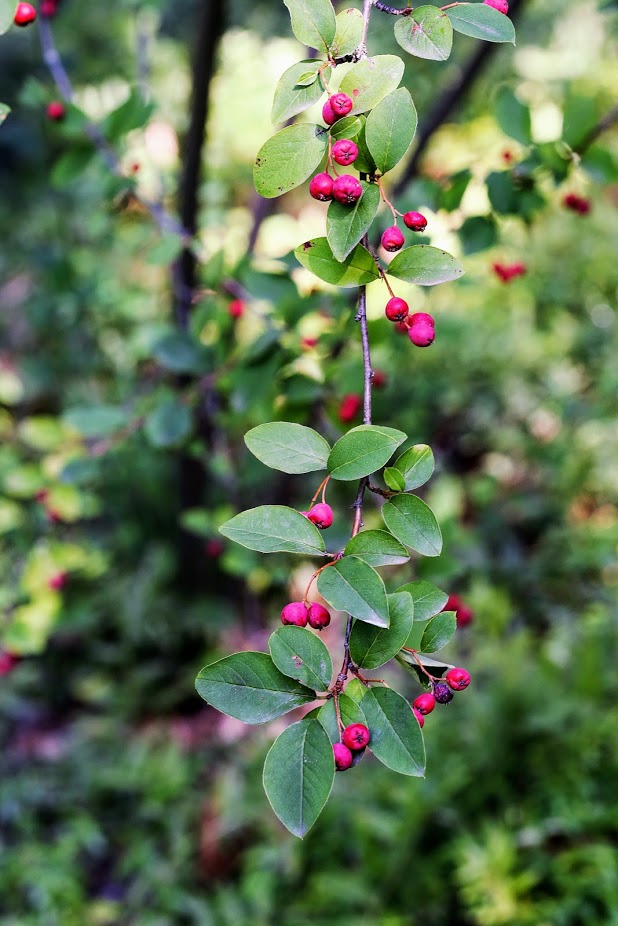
<point x="123" y="801"/>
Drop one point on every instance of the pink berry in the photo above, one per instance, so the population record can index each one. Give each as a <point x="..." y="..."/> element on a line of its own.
<point x="356" y="736"/>
<point x="347" y="189"/>
<point x="343" y="757"/>
<point x="58" y="581"/>
<point x="349" y="407"/>
<point x="24" y="14"/>
<point x="321" y="515"/>
<point x="48" y="8"/>
<point x="328" y="114"/>
<point x="236" y="308"/>
<point x="380" y="379"/>
<point x="56" y="111"/>
<point x="422" y="335"/>
<point x="419" y="717"/>
<point x="214" y="548"/>
<point x="576" y="203"/>
<point x="341" y="104"/>
<point x="425" y="703"/>
<point x="321" y="187"/>
<point x="457" y="679"/>
<point x="392" y="239"/>
<point x="416" y="221"/>
<point x="500" y="5"/>
<point x="295" y="613"/>
<point x="422" y="318"/>
<point x="396" y="309"/>
<point x="463" y="614"/>
<point x="345" y="152"/>
<point x="8" y="661"/>
<point x="319" y="616"/>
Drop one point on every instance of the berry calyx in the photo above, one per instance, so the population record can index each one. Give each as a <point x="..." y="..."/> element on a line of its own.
<point x="442" y="693"/>
<point x="415" y="221"/>
<point x="321" y="187"/>
<point x="422" y="334"/>
<point x="419" y="717"/>
<point x="295" y="613"/>
<point x="321" y="515"/>
<point x="341" y="104"/>
<point x="343" y="757"/>
<point x="56" y="111"/>
<point x="422" y="318"/>
<point x="500" y="5"/>
<point x="457" y="679"/>
<point x="24" y="14"/>
<point x="356" y="736"/>
<point x="328" y="114"/>
<point x="347" y="190"/>
<point x="392" y="239"/>
<point x="425" y="703"/>
<point x="396" y="309"/>
<point x="319" y="616"/>
<point x="349" y="407"/>
<point x="236" y="308"/>
<point x="344" y="152"/>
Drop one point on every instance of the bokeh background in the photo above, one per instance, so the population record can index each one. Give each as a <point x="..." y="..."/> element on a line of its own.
<point x="124" y="800"/>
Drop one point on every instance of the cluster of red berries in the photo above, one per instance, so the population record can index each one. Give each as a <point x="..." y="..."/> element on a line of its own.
<point x="353" y="741"/>
<point x="442" y="692"/>
<point x="301" y="613"/>
<point x="507" y="272"/>
<point x="500" y="5"/>
<point x="420" y="326"/>
<point x="25" y="14"/>
<point x="463" y="614"/>
<point x="576" y="203"/>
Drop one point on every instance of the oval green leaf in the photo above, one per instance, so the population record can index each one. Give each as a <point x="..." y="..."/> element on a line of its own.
<point x="274" y="529"/>
<point x="378" y="548"/>
<point x="313" y="22"/>
<point x="358" y="268"/>
<point x="288" y="158"/>
<point x="416" y="466"/>
<point x="348" y="127"/>
<point x="169" y="425"/>
<point x="346" y="225"/>
<point x="351" y="585"/>
<point x="369" y="80"/>
<point x="513" y="116"/>
<point x="481" y="21"/>
<point x="362" y="451"/>
<point x="301" y="655"/>
<point x="438" y="631"/>
<point x="390" y="128"/>
<point x="350" y="713"/>
<point x="349" y="33"/>
<point x="298" y="775"/>
<point x="288" y="447"/>
<point x="414" y="523"/>
<point x="393" y="479"/>
<point x="427" y="33"/>
<point x="293" y="97"/>
<point x="372" y="646"/>
<point x="7" y="12"/>
<point x="249" y="687"/>
<point x="428" y="599"/>
<point x="425" y="266"/>
<point x="396" y="738"/>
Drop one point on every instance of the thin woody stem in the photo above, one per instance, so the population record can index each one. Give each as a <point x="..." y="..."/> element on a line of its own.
<point x="384" y="8"/>
<point x="420" y="664"/>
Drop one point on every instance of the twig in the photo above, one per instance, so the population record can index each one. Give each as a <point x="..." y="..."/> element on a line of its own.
<point x="608" y="120"/>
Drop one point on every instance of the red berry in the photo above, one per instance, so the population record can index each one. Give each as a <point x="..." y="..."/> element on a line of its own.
<point x="328" y="114"/>
<point x="48" y="8"/>
<point x="345" y="152"/>
<point x="506" y="272"/>
<point x="442" y="693"/>
<point x="347" y="189"/>
<point x="422" y="318"/>
<point x="24" y="14"/>
<point x="577" y="203"/>
<point x="380" y="379"/>
<point x="321" y="187"/>
<point x="343" y="757"/>
<point x="213" y="548"/>
<point x="319" y="616"/>
<point x="295" y="613"/>
<point x="457" y="679"/>
<point x="396" y="309"/>
<point x="349" y="407"/>
<point x="58" y="581"/>
<point x="500" y="5"/>
<point x="236" y="308"/>
<point x="425" y="703"/>
<point x="402" y="327"/>
<point x="422" y="334"/>
<point x="416" y="221"/>
<point x="356" y="736"/>
<point x="392" y="239"/>
<point x="321" y="515"/>
<point x="419" y="717"/>
<point x="56" y="111"/>
<point x="341" y="104"/>
<point x="463" y="614"/>
<point x="8" y="661"/>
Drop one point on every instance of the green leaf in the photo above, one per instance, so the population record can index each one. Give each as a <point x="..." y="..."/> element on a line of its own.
<point x="394" y="479"/>
<point x="299" y="654"/>
<point x="293" y="95"/>
<point x="350" y="713"/>
<point x="93" y="421"/>
<point x="427" y="33"/>
<point x="130" y="115"/>
<point x="355" y="690"/>
<point x="7" y="12"/>
<point x="416" y="466"/>
<point x="71" y="164"/>
<point x="298" y="775"/>
<point x="371" y="79"/>
<point x="4" y="111"/>
<point x="351" y="585"/>
<point x="378" y="548"/>
<point x="169" y="425"/>
<point x="288" y="158"/>
<point x="513" y="116"/>
<point x="425" y="266"/>
<point x="346" y="225"/>
<point x="181" y="353"/>
<point x="249" y="687"/>
<point x="396" y="738"/>
<point x="358" y="268"/>
<point x="349" y="33"/>
<point x="390" y="128"/>
<point x="313" y="22"/>
<point x="372" y="646"/>
<point x="428" y="599"/>
<point x="348" y="127"/>
<point x="362" y="451"/>
<point x="414" y="523"/>
<point x="288" y="447"/>
<point x="438" y="631"/>
<point x="478" y="233"/>
<point x="274" y="529"/>
<point x="481" y="21"/>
